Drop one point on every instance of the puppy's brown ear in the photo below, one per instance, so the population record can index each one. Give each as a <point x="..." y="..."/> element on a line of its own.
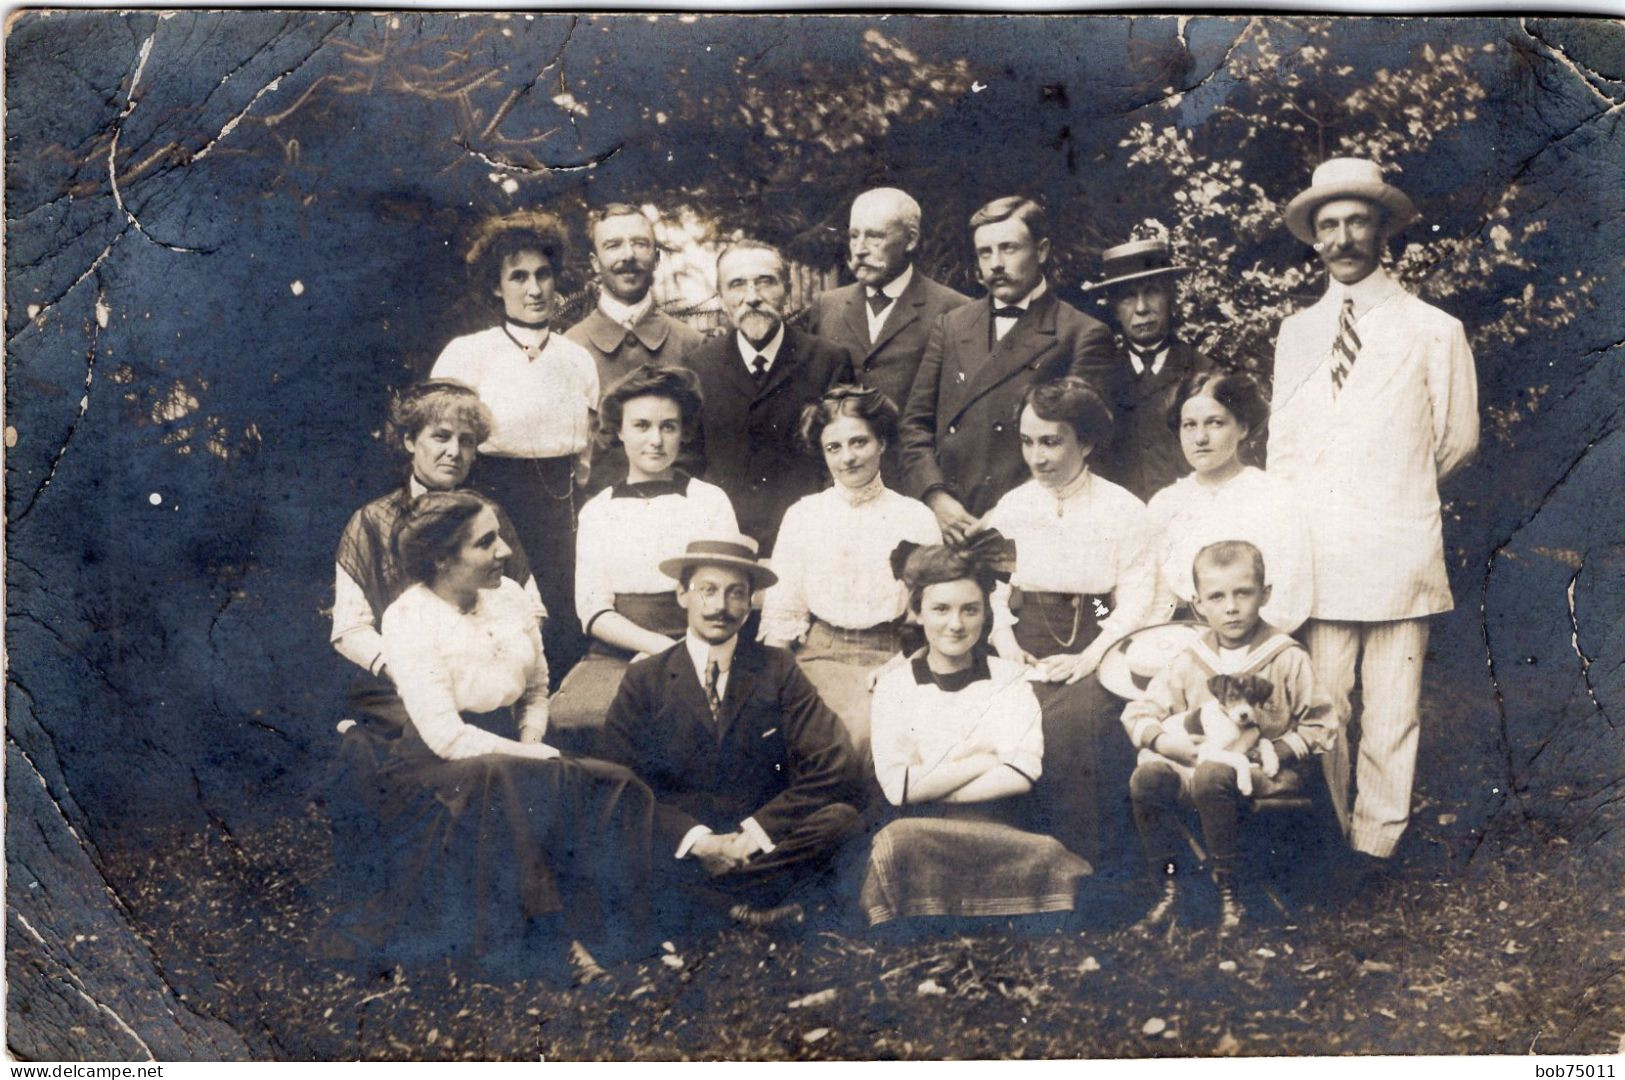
<point x="1219" y="687"/>
<point x="1256" y="689"/>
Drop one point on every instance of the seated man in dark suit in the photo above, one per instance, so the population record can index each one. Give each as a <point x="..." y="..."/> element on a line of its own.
<point x="1145" y="456"/>
<point x="883" y="318"/>
<point x="755" y="783"/>
<point x="755" y="382"/>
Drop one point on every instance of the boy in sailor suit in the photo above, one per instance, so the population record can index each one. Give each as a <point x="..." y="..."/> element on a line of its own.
<point x="1297" y="719"/>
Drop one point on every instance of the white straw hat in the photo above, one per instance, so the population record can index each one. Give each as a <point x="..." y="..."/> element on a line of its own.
<point x="1348" y="178"/>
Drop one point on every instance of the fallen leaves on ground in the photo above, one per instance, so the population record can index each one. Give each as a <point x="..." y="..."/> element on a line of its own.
<point x="1424" y="968"/>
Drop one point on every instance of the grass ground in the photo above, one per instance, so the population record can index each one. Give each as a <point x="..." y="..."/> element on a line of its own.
<point x="1483" y="944"/>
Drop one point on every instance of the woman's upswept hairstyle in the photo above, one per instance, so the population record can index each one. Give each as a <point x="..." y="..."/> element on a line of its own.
<point x="498" y="238"/>
<point x="1072" y="401"/>
<point x="1237" y="391"/>
<point x="432" y="401"/>
<point x="675" y="384"/>
<point x="432" y="529"/>
<point x="844" y="399"/>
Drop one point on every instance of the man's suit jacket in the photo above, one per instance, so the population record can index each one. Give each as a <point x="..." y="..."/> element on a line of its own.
<point x="959" y="428"/>
<point x="656" y="338"/>
<point x="775" y="753"/>
<point x="748" y="442"/>
<point x="889" y="362"/>
<point x="1145" y="455"/>
<point x="1366" y="463"/>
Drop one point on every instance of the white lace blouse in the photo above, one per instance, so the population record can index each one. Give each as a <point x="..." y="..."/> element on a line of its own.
<point x="446" y="662"/>
<point x="833" y="559"/>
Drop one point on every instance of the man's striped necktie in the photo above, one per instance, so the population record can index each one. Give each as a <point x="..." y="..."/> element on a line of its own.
<point x="1346" y="347"/>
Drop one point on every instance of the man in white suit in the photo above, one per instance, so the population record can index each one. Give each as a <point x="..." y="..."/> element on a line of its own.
<point x="1376" y="403"/>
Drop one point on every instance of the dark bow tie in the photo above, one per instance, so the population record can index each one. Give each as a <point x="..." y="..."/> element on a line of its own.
<point x="878" y="302"/>
<point x="1010" y="312"/>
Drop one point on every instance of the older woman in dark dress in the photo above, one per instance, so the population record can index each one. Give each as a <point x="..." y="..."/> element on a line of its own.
<point x="438" y="423"/>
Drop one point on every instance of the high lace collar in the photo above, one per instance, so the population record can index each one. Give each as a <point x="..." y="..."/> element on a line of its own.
<point x="858" y="496"/>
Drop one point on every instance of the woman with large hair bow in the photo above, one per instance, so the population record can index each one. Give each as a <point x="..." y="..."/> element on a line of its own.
<point x="958" y="744"/>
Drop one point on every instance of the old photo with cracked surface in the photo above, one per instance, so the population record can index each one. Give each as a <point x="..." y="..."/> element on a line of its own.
<point x="237" y="242"/>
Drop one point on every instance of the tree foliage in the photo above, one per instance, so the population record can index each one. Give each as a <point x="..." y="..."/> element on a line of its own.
<point x="1297" y="98"/>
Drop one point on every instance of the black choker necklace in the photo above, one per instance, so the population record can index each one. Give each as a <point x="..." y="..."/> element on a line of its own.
<point x="531" y="352"/>
<point x="527" y="325"/>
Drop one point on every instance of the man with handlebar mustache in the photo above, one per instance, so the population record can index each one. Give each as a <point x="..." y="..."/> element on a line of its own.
<point x="626" y="328"/>
<point x="884" y="317"/>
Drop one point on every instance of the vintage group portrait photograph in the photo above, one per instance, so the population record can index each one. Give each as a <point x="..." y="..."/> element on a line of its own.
<point x="658" y="536"/>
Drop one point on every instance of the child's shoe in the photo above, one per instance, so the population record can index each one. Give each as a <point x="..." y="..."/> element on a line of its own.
<point x="1163" y="909"/>
<point x="1232" y="914"/>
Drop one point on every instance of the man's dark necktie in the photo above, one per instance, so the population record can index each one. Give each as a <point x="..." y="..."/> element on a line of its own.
<point x="758" y="368"/>
<point x="713" y="674"/>
<point x="1010" y="312"/>
<point x="878" y="302"/>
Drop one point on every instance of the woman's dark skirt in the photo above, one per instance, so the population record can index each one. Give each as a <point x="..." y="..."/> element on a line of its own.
<point x="1082" y="799"/>
<point x="539" y="497"/>
<point x="576" y="713"/>
<point x="494" y="860"/>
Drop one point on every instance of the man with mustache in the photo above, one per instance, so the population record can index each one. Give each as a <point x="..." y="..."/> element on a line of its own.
<point x="1145" y="455"/>
<point x="756" y="787"/>
<point x="883" y="318"/>
<point x="626" y="329"/>
<point x="1376" y="403"/>
<point x="961" y="448"/>
<point x="755" y="382"/>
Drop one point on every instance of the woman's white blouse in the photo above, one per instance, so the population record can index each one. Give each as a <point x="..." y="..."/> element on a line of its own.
<point x="1253" y="506"/>
<point x="446" y="662"/>
<point x="622" y="538"/>
<point x="833" y="559"/>
<point x="916" y="726"/>
<point x="1092" y="538"/>
<point x="541" y="407"/>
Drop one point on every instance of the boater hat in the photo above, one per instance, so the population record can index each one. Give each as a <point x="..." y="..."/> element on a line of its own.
<point x="737" y="552"/>
<point x="1135" y="260"/>
<point x="1348" y="178"/>
<point x="1129" y="666"/>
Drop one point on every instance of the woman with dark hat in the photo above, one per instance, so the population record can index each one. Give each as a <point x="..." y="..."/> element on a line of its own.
<point x="1084" y="578"/>
<point x="541" y="389"/>
<point x="837" y="599"/>
<point x="958" y="744"/>
<point x="495" y="849"/>
<point x="626" y="605"/>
